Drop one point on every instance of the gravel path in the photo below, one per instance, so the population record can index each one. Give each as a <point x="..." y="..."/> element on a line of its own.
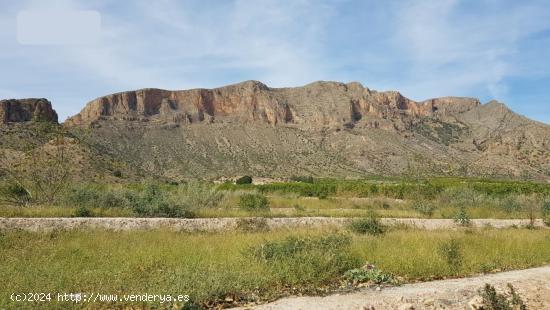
<point x="220" y="224"/>
<point x="533" y="285"/>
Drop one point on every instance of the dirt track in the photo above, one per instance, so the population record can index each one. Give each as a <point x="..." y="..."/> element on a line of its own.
<point x="220" y="224"/>
<point x="533" y="286"/>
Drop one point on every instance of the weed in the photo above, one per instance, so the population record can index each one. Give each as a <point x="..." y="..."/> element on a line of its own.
<point x="492" y="300"/>
<point x="255" y="224"/>
<point x="545" y="211"/>
<point x="368" y="273"/>
<point x="462" y="218"/>
<point x="83" y="211"/>
<point x="423" y="208"/>
<point x="253" y="202"/>
<point x="304" y="260"/>
<point x="198" y="195"/>
<point x="452" y="254"/>
<point x="154" y="202"/>
<point x="293" y="246"/>
<point x="370" y="225"/>
<point x="487" y="267"/>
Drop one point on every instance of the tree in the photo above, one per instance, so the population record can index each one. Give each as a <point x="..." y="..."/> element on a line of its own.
<point x="244" y="180"/>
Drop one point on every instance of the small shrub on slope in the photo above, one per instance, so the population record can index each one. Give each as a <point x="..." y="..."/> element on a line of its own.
<point x="244" y="180"/>
<point x="545" y="210"/>
<point x="253" y="202"/>
<point x="370" y="225"/>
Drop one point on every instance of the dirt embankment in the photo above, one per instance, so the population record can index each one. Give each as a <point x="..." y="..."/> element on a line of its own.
<point x="220" y="224"/>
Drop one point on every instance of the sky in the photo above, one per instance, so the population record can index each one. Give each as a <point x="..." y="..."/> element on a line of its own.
<point x="488" y="49"/>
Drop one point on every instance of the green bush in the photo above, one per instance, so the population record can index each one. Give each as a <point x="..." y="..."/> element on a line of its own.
<point x="111" y="200"/>
<point x="370" y="225"/>
<point x="94" y="196"/>
<point x="83" y="211"/>
<point x="495" y="301"/>
<point x="253" y="202"/>
<point x="244" y="180"/>
<point x="452" y="254"/>
<point x="82" y="195"/>
<point x="424" y="208"/>
<point x="154" y="202"/>
<point x="15" y="194"/>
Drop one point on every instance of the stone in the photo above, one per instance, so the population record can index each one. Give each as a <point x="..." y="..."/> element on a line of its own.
<point x="476" y="303"/>
<point x="407" y="306"/>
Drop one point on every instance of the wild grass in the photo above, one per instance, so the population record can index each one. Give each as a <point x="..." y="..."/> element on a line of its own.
<point x="435" y="198"/>
<point x="417" y="254"/>
<point x="59" y="211"/>
<point x="213" y="266"/>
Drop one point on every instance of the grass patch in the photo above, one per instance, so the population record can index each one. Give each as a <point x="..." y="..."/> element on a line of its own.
<point x="246" y="266"/>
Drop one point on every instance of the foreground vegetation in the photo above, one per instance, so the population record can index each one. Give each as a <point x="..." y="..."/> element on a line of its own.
<point x="239" y="267"/>
<point x="433" y="198"/>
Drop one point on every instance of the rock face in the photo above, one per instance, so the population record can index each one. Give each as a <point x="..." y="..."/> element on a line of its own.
<point x="320" y="104"/>
<point x="24" y="110"/>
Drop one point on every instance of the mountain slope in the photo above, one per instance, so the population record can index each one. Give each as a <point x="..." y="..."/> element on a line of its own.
<point x="323" y="128"/>
<point x="326" y="129"/>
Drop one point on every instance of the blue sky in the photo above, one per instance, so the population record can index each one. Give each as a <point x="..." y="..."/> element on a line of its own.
<point x="486" y="49"/>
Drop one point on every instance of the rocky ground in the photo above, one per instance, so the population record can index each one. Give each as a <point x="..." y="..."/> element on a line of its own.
<point x="219" y="224"/>
<point x="533" y="285"/>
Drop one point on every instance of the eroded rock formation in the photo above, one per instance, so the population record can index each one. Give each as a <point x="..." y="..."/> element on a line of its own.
<point x="319" y="104"/>
<point x="24" y="110"/>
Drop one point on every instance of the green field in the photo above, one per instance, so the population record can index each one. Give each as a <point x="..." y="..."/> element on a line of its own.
<point x="218" y="268"/>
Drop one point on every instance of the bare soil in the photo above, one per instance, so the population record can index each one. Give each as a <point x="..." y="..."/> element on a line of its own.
<point x="220" y="224"/>
<point x="533" y="285"/>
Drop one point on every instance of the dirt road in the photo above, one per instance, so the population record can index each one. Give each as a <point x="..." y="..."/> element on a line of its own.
<point x="533" y="286"/>
<point x="220" y="224"/>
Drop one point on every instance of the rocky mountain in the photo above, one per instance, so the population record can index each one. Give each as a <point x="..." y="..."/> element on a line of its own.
<point x="24" y="110"/>
<point x="317" y="105"/>
<point x="31" y="139"/>
<point x="322" y="129"/>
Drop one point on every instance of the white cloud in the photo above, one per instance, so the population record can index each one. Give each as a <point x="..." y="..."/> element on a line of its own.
<point x="453" y="51"/>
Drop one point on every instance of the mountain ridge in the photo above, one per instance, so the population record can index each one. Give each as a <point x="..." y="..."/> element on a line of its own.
<point x="324" y="128"/>
<point x="274" y="104"/>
